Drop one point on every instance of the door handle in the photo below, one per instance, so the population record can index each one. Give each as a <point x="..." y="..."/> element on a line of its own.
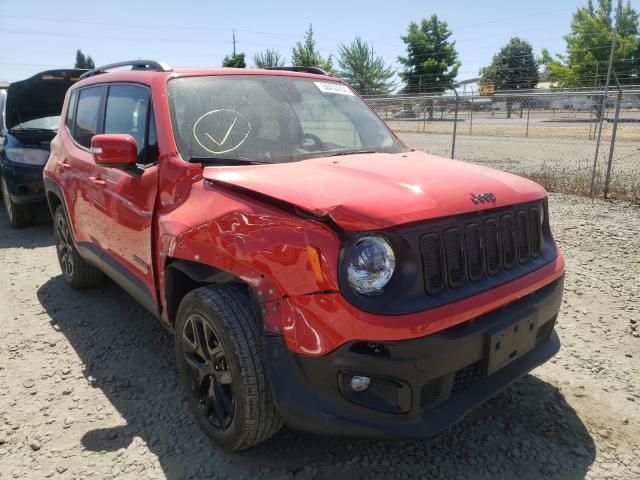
<point x="96" y="182"/>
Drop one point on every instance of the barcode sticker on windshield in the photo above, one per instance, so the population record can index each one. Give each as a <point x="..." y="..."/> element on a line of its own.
<point x="331" y="87"/>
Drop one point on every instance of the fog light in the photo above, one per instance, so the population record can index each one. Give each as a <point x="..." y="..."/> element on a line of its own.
<point x="359" y="383"/>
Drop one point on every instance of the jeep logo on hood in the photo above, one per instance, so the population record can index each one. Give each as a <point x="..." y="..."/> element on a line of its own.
<point x="483" y="197"/>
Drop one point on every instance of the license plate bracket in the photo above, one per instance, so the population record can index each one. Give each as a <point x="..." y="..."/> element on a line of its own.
<point x="507" y="344"/>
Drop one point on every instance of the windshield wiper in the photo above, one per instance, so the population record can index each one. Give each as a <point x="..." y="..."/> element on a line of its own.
<point x="348" y="152"/>
<point x="227" y="161"/>
<point x="33" y="129"/>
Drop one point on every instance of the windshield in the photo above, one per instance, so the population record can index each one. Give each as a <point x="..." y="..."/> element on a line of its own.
<point x="44" y="123"/>
<point x="272" y="119"/>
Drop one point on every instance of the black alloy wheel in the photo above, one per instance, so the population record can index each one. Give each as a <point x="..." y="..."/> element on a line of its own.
<point x="210" y="376"/>
<point x="64" y="246"/>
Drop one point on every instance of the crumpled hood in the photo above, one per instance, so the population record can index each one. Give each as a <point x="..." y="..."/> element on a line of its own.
<point x="376" y="191"/>
<point x="39" y="96"/>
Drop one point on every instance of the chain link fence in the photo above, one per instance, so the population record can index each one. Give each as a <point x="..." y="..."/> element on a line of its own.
<point x="549" y="136"/>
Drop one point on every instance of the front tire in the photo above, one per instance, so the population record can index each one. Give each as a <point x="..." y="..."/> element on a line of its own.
<point x="76" y="270"/>
<point x="221" y="366"/>
<point x="20" y="216"/>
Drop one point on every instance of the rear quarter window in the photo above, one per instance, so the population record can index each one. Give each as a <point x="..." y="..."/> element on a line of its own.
<point x="71" y="110"/>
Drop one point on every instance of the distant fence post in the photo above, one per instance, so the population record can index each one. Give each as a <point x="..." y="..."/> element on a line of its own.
<point x="455" y="125"/>
<point x="528" y="112"/>
<point x="612" y="146"/>
<point x="471" y="116"/>
<point x="605" y="95"/>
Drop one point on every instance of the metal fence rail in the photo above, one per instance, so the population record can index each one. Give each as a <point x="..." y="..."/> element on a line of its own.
<point x="550" y="136"/>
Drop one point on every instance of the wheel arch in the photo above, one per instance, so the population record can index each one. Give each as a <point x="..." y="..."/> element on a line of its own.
<point x="55" y="198"/>
<point x="183" y="276"/>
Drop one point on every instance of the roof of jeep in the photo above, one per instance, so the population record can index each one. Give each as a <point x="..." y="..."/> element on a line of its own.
<point x="148" y="76"/>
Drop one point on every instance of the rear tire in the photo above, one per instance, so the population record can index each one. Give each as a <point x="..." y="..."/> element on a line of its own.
<point x="221" y="366"/>
<point x="76" y="270"/>
<point x="20" y="216"/>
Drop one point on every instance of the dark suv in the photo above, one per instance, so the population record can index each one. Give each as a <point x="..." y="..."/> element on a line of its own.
<point x="31" y="118"/>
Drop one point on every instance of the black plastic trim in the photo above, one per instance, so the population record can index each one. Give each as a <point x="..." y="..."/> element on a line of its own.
<point x="309" y="394"/>
<point x="119" y="274"/>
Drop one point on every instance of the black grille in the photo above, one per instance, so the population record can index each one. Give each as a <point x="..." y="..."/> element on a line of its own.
<point x="467" y="377"/>
<point x="433" y="263"/>
<point x="485" y="246"/>
<point x="454" y="257"/>
<point x="535" y="231"/>
<point x="473" y="244"/>
<point x="430" y="392"/>
<point x="492" y="246"/>
<point x="508" y="238"/>
<point x="523" y="237"/>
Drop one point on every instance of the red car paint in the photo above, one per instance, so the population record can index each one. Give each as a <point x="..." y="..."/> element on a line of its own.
<point x="350" y="189"/>
<point x="179" y="210"/>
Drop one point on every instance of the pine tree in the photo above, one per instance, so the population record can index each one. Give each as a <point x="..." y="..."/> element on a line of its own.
<point x="431" y="64"/>
<point x="268" y="59"/>
<point x="365" y="72"/>
<point x="304" y="54"/>
<point x="235" y="61"/>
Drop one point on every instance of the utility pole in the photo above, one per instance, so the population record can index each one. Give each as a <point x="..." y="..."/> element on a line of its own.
<point x="234" y="42"/>
<point x="606" y="93"/>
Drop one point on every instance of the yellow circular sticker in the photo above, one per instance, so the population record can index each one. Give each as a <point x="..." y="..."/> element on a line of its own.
<point x="221" y="131"/>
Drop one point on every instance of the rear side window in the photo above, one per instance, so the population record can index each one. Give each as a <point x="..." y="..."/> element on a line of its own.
<point x="71" y="110"/>
<point x="127" y="112"/>
<point x="86" y="121"/>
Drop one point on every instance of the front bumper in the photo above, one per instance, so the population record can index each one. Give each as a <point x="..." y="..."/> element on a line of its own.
<point x="419" y="386"/>
<point x="24" y="181"/>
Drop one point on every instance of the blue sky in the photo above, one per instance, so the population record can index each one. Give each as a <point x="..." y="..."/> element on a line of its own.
<point x="40" y="34"/>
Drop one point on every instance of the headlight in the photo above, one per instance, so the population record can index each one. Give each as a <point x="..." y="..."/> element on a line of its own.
<point x="29" y="156"/>
<point x="371" y="265"/>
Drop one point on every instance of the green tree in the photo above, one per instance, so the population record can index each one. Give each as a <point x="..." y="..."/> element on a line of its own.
<point x="431" y="64"/>
<point x="82" y="61"/>
<point x="366" y="73"/>
<point x="514" y="67"/>
<point x="235" y="61"/>
<point x="304" y="54"/>
<point x="268" y="59"/>
<point x="589" y="43"/>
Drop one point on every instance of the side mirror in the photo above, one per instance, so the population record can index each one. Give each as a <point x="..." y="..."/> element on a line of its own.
<point x="114" y="150"/>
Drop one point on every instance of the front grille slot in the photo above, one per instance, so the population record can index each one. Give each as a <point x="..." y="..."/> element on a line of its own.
<point x="492" y="246"/>
<point x="535" y="232"/>
<point x="508" y="239"/>
<point x="522" y="230"/>
<point x="454" y="257"/>
<point x="489" y="245"/>
<point x="473" y="247"/>
<point x="433" y="263"/>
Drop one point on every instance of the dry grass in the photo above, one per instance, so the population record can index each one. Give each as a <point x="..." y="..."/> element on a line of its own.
<point x="518" y="128"/>
<point x="559" y="180"/>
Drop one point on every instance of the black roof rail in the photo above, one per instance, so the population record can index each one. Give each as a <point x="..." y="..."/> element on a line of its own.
<point x="134" y="64"/>
<point x="315" y="70"/>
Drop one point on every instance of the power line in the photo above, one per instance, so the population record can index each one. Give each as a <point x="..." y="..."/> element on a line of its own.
<point x="499" y="20"/>
<point x="154" y="27"/>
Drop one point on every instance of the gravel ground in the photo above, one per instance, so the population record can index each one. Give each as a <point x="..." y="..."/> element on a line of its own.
<point x="88" y="387"/>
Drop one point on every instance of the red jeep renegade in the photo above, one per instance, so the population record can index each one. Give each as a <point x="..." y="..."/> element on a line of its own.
<point x="316" y="271"/>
